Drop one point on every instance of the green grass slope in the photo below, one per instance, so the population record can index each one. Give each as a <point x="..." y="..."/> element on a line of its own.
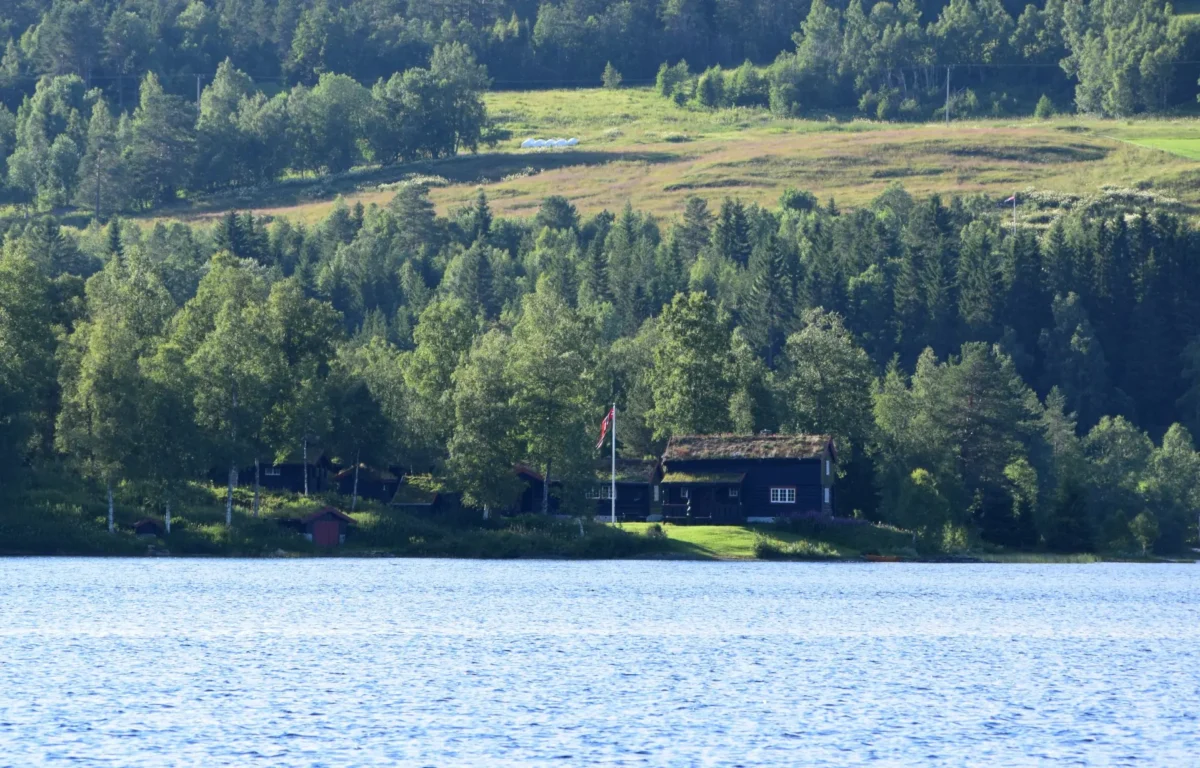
<point x="638" y="147"/>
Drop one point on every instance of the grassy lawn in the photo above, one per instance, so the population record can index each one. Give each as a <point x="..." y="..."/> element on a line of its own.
<point x="736" y="542"/>
<point x="637" y="147"/>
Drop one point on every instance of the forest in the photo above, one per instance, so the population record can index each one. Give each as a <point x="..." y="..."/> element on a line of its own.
<point x="984" y="382"/>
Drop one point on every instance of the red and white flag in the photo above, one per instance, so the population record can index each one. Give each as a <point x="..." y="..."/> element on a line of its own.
<point x="604" y="426"/>
<point x="1012" y="199"/>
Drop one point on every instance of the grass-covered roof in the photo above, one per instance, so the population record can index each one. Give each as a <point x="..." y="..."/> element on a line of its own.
<point x="762" y="446"/>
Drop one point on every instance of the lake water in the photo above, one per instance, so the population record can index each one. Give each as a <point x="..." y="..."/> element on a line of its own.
<point x="442" y="662"/>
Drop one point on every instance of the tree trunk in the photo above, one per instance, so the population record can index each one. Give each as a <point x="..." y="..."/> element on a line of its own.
<point x="229" y="495"/>
<point x="108" y="484"/>
<point x="167" y="518"/>
<point x="486" y="514"/>
<point x="546" y="489"/>
<point x="256" y="486"/>
<point x="354" y="495"/>
<point x="306" y="466"/>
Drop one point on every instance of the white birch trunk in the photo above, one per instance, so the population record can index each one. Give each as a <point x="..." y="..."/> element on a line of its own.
<point x="167" y="517"/>
<point x="256" y="486"/>
<point x="111" y="527"/>
<point x="546" y="489"/>
<point x="354" y="495"/>
<point x="306" y="466"/>
<point x="229" y="496"/>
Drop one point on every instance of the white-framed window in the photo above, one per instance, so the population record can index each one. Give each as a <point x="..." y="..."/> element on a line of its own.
<point x="272" y="471"/>
<point x="656" y="493"/>
<point x="828" y="467"/>
<point x="685" y="493"/>
<point x="783" y="495"/>
<point x="826" y="495"/>
<point x="604" y="492"/>
<point x="733" y="493"/>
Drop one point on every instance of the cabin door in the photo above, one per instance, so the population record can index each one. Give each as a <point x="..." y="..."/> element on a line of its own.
<point x="326" y="533"/>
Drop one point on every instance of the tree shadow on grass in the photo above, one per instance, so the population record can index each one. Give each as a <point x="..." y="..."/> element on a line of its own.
<point x="483" y="168"/>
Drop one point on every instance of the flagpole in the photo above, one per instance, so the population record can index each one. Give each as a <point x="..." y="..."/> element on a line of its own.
<point x="614" y="464"/>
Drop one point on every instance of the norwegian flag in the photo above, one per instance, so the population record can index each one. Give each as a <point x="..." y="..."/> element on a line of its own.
<point x="604" y="427"/>
<point x="1012" y="199"/>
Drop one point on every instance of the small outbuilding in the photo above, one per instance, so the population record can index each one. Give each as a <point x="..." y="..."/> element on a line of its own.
<point x="373" y="483"/>
<point x="147" y="528"/>
<point x="417" y="493"/>
<point x="327" y="527"/>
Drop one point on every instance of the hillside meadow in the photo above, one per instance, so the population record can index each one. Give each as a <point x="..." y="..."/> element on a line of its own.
<point x="636" y="146"/>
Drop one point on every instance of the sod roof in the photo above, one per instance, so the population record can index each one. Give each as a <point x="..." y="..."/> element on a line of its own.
<point x="708" y="478"/>
<point x="628" y="470"/>
<point x="699" y="447"/>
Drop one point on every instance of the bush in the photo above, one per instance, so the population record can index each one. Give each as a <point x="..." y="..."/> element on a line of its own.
<point x="710" y="89"/>
<point x="772" y="549"/>
<point x="797" y="200"/>
<point x="672" y="80"/>
<point x="1044" y="109"/>
<point x="611" y="78"/>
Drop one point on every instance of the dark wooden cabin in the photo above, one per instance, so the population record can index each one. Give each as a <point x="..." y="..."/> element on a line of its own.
<point x="531" y="494"/>
<point x="289" y="475"/>
<point x="377" y="484"/>
<point x="636" y="483"/>
<point x="148" y="528"/>
<point x="416" y="494"/>
<point x="747" y="478"/>
<point x="327" y="527"/>
<point x="284" y="476"/>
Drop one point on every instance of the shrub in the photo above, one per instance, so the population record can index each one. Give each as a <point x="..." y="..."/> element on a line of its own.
<point x="655" y="531"/>
<point x="797" y="200"/>
<point x="1044" y="109"/>
<point x="611" y="78"/>
<point x="710" y="89"/>
<point x="772" y="549"/>
<point x="672" y="80"/>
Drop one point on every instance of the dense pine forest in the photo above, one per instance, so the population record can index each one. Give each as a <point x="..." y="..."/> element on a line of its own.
<point x="1020" y="387"/>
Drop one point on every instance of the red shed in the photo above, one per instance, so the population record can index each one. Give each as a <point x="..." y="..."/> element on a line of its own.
<point x="327" y="527"/>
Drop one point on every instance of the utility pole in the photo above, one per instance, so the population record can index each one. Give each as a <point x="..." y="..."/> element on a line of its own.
<point x="947" y="96"/>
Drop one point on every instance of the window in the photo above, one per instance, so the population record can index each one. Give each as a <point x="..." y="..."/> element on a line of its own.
<point x="827" y="467"/>
<point x="783" y="495"/>
<point x="826" y="495"/>
<point x="604" y="492"/>
<point x="684" y="493"/>
<point x="272" y="471"/>
<point x="656" y="493"/>
<point x="733" y="493"/>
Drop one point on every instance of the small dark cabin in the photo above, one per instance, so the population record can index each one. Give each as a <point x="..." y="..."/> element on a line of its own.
<point x="285" y="476"/>
<point x="289" y="475"/>
<point x="416" y="494"/>
<point x="327" y="527"/>
<point x="747" y="478"/>
<point x="377" y="484"/>
<point x="636" y="482"/>
<point x="148" y="528"/>
<point x="531" y="495"/>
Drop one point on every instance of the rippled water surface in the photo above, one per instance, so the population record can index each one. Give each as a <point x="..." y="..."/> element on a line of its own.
<point x="439" y="662"/>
